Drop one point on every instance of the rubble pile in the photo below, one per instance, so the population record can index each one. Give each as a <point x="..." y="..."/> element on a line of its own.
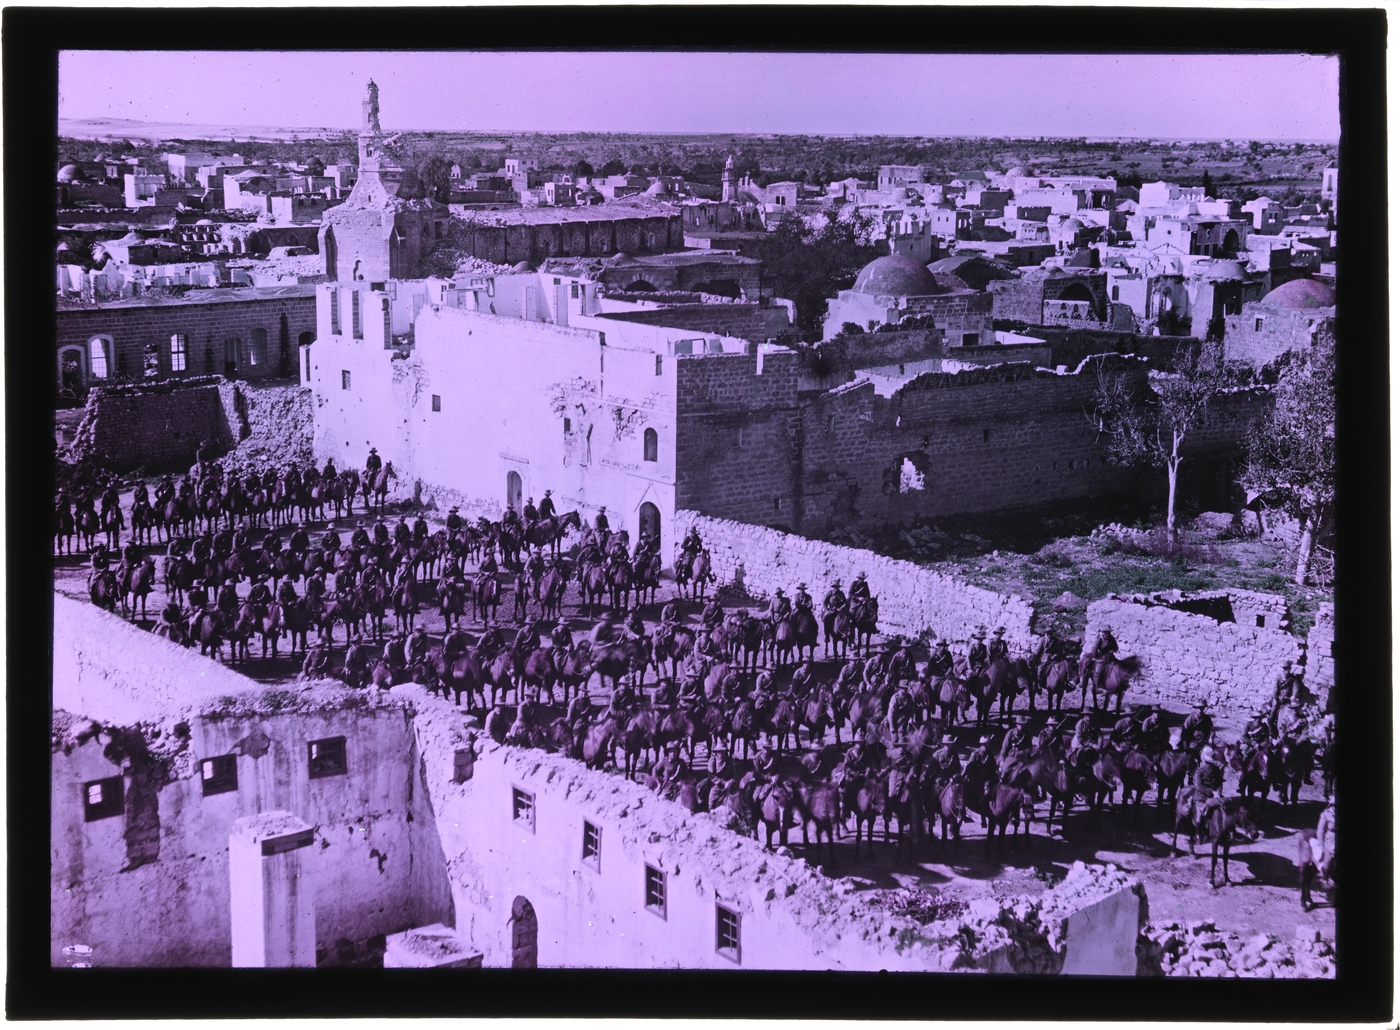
<point x="1197" y="948"/>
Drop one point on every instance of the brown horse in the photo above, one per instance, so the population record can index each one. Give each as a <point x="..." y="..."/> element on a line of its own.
<point x="1112" y="676"/>
<point x="820" y="805"/>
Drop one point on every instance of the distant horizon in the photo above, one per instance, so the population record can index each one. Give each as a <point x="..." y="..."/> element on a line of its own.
<point x="313" y="129"/>
<point x="1205" y="97"/>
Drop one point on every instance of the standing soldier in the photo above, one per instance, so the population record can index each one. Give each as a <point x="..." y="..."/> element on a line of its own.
<point x="546" y="506"/>
<point x="997" y="648"/>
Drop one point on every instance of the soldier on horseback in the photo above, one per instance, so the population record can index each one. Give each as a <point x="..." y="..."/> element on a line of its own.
<point x="997" y="648"/>
<point x="546" y="506"/>
<point x="835" y="600"/>
<point x="359" y="538"/>
<point x="1292" y="722"/>
<point x="372" y="465"/>
<point x="454" y="520"/>
<point x="381" y="533"/>
<point x="780" y="607"/>
<point x="1197" y="728"/>
<point x="691" y="545"/>
<point x="510" y="519"/>
<point x="1209" y="782"/>
<point x="260" y="596"/>
<point x="940" y="660"/>
<point x="601" y="522"/>
<point x="860" y="589"/>
<point x="803" y="601"/>
<point x="561" y="637"/>
<point x="300" y="541"/>
<point x="713" y="614"/>
<point x="945" y="760"/>
<point x="977" y="656"/>
<point x="532" y="514"/>
<point x="330" y="542"/>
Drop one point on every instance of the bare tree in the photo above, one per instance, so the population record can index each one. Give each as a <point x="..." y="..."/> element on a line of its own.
<point x="1293" y="450"/>
<point x="1148" y="426"/>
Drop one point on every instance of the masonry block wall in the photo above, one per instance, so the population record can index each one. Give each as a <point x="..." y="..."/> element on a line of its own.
<point x="149" y="886"/>
<point x="745" y="321"/>
<point x="1188" y="658"/>
<point x="126" y="427"/>
<point x="1000" y="438"/>
<point x="1069" y="347"/>
<point x="215" y="329"/>
<point x="1261" y="335"/>
<point x="603" y="237"/>
<point x="737" y="454"/>
<point x="592" y="912"/>
<point x="1319" y="675"/>
<point x="912" y="598"/>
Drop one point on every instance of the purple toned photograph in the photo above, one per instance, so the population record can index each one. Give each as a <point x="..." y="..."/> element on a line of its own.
<point x="708" y="511"/>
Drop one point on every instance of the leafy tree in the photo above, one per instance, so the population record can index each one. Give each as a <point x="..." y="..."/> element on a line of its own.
<point x="315" y="167"/>
<point x="583" y="169"/>
<point x="1149" y="426"/>
<point x="613" y="167"/>
<point x="1206" y="184"/>
<point x="808" y="265"/>
<point x="1293" y="450"/>
<point x="435" y="177"/>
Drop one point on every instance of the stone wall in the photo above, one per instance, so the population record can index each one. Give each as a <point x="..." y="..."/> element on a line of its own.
<point x="1188" y="658"/>
<point x="127" y="427"/>
<point x="1319" y="674"/>
<point x="912" y="598"/>
<point x="593" y="913"/>
<point x="150" y="886"/>
<point x="206" y="320"/>
<point x="600" y="237"/>
<point x="1260" y="334"/>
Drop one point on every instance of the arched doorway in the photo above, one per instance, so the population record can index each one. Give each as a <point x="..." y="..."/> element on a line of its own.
<point x="515" y="491"/>
<point x="1077" y="291"/>
<point x="649" y="521"/>
<point x="641" y="286"/>
<point x="1231" y="244"/>
<point x="524" y="932"/>
<point x="72" y="374"/>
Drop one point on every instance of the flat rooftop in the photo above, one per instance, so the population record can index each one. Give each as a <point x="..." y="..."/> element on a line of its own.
<point x="195" y="297"/>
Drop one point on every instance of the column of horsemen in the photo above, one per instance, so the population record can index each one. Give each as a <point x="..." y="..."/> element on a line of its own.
<point x="728" y="688"/>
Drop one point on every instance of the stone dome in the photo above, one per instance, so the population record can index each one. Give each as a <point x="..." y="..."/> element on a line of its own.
<point x="657" y="189"/>
<point x="1015" y="172"/>
<point x="521" y="266"/>
<point x="71" y="173"/>
<point x="1301" y="295"/>
<point x="897" y="276"/>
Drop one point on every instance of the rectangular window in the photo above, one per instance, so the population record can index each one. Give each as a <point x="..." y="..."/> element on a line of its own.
<point x="522" y="808"/>
<point x="658" y="364"/>
<point x="326" y="758"/>
<point x="656" y="891"/>
<point x="592" y="844"/>
<point x="437" y="402"/>
<point x="219" y="775"/>
<point x="568" y="426"/>
<point x="969" y="339"/>
<point x="727" y="932"/>
<point x="102" y="799"/>
<point x="257" y="349"/>
<point x="98" y="359"/>
<point x="355" y="329"/>
<point x="179" y="350"/>
<point x="345" y="379"/>
<point x="437" y="230"/>
<point x="1258" y="324"/>
<point x="573" y="291"/>
<point x="308" y="364"/>
<point x="1115" y="293"/>
<point x="335" y="311"/>
<point x="1259" y="621"/>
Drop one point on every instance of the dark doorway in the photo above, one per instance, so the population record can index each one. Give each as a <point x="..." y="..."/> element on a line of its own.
<point x="1076" y="291"/>
<point x="70" y="374"/>
<point x="719" y="288"/>
<point x="1232" y="243"/>
<point x="641" y="286"/>
<point x="649" y="522"/>
<point x="514" y="491"/>
<point x="231" y="348"/>
<point x="524" y="933"/>
<point x="331" y="256"/>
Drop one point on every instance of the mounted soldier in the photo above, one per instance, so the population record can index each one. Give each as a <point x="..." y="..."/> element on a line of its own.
<point x="360" y="537"/>
<point x="713" y="614"/>
<point x="601" y="522"/>
<point x="780" y="607"/>
<point x="835" y="600"/>
<point x="997" y="647"/>
<point x="860" y="589"/>
<point x="330" y="541"/>
<point x="328" y="473"/>
<point x="977" y="656"/>
<point x="803" y="601"/>
<point x="402" y="534"/>
<point x="381" y="533"/>
<point x="454" y="520"/>
<point x="940" y="660"/>
<point x="1209" y="782"/>
<point x="546" y="506"/>
<point x="945" y="760"/>
<point x="691" y="545"/>
<point x="510" y="519"/>
<point x="560" y="635"/>
<point x="532" y="514"/>
<point x="300" y="542"/>
<point x="260" y="596"/>
<point x="1197" y="729"/>
<point x="1292" y="723"/>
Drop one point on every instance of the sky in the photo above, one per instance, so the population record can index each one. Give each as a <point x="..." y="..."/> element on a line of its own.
<point x="1201" y="96"/>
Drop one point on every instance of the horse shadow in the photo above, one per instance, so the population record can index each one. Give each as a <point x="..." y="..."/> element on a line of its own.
<point x="1268" y="869"/>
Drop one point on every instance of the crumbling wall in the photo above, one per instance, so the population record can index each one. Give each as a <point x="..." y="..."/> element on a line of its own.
<point x="912" y="598"/>
<point x="1319" y="674"/>
<point x="1188" y="658"/>
<point x="273" y="424"/>
<point x="790" y="917"/>
<point x="150" y="887"/>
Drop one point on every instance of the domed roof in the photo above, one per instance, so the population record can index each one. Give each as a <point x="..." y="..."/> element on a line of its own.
<point x="1301" y="295"/>
<point x="897" y="276"/>
<point x="1015" y="172"/>
<point x="1072" y="225"/>
<point x="70" y="173"/>
<point x="657" y="189"/>
<point x="521" y="266"/>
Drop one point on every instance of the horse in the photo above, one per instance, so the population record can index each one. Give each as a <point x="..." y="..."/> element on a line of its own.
<point x="593" y="584"/>
<point x="269" y="627"/>
<point x="552" y="587"/>
<point x="104" y="590"/>
<point x="1008" y="804"/>
<point x="139" y="583"/>
<point x="804" y="633"/>
<point x="865" y="613"/>
<point x="486" y="599"/>
<point x="865" y="797"/>
<point x="696" y="574"/>
<point x="948" y="803"/>
<point x="1111" y="676"/>
<point x="380" y="487"/>
<point x="820" y="805"/>
<point x="775" y="808"/>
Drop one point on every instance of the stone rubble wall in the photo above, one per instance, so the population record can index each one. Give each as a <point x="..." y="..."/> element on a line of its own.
<point x="1189" y="658"/>
<point x="758" y="560"/>
<point x="1319" y="674"/>
<point x="591" y="914"/>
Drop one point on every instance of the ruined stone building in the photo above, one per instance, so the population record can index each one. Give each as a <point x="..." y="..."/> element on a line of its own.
<point x="200" y="819"/>
<point x="251" y="333"/>
<point x="378" y="234"/>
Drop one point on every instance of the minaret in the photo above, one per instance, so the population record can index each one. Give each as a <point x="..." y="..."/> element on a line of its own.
<point x="369" y="123"/>
<point x="729" y="188"/>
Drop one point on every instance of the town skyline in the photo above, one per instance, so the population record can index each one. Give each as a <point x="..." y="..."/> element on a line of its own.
<point x="1292" y="97"/>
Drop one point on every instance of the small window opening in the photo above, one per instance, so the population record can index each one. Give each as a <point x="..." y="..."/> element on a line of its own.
<point x="219" y="774"/>
<point x="326" y="757"/>
<point x="1259" y="621"/>
<point x="437" y="402"/>
<point x="355" y="329"/>
<point x="969" y="339"/>
<point x="649" y="445"/>
<point x="102" y="799"/>
<point x="345" y="379"/>
<point x="727" y="932"/>
<point x="522" y="806"/>
<point x="568" y="425"/>
<point x="335" y="311"/>
<point x="658" y="364"/>
<point x="986" y="435"/>
<point x="573" y="291"/>
<point x="592" y="844"/>
<point x="656" y="891"/>
<point x="1258" y="324"/>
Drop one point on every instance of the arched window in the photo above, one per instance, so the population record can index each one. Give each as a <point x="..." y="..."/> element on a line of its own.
<point x="649" y="445"/>
<point x="99" y="355"/>
<point x="257" y="350"/>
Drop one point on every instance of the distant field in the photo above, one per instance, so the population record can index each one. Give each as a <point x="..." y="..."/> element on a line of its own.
<point x="127" y="128"/>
